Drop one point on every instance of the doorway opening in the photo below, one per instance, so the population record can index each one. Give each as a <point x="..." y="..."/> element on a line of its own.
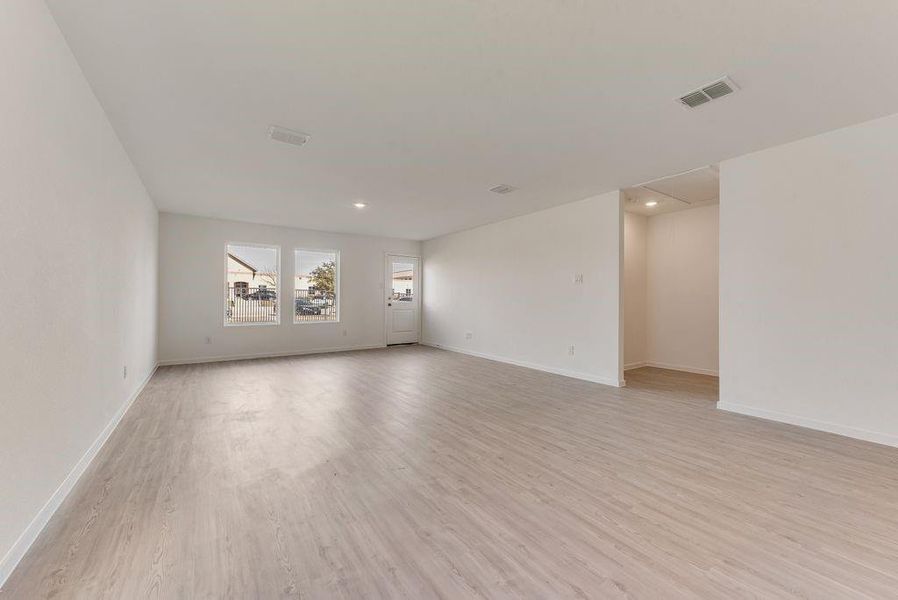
<point x="671" y="283"/>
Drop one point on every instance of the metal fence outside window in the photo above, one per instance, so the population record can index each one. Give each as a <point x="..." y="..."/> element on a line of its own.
<point x="260" y="305"/>
<point x="311" y="305"/>
<point x="245" y="304"/>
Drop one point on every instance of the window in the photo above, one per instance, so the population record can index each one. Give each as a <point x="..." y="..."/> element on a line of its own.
<point x="251" y="284"/>
<point x="403" y="281"/>
<point x="317" y="286"/>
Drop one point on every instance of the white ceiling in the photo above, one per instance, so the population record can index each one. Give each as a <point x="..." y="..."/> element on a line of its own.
<point x="418" y="107"/>
<point x="692" y="189"/>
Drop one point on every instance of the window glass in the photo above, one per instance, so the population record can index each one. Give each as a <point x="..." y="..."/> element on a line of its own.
<point x="251" y="284"/>
<point x="316" y="287"/>
<point x="403" y="281"/>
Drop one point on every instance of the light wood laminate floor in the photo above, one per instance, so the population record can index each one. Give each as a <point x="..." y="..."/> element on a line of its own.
<point x="417" y="473"/>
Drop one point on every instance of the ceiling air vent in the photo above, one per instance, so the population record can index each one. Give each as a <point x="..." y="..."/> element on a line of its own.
<point x="694" y="99"/>
<point x="288" y="136"/>
<point x="503" y="189"/>
<point x="712" y="91"/>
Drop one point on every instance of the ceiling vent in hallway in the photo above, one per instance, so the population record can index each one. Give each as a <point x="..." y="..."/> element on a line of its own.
<point x="288" y="136"/>
<point x="503" y="189"/>
<point x="712" y="91"/>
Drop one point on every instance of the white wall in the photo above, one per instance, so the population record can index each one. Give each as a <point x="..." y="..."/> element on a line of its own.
<point x="511" y="285"/>
<point x="682" y="290"/>
<point x="191" y="280"/>
<point x="635" y="272"/>
<point x="671" y="290"/>
<point x="809" y="282"/>
<point x="78" y="226"/>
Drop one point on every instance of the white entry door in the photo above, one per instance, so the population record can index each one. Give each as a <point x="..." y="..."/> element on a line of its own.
<point x="403" y="299"/>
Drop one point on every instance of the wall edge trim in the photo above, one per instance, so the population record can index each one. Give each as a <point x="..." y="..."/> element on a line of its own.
<point x="231" y="357"/>
<point x="876" y="437"/>
<point x="25" y="540"/>
<point x="530" y="365"/>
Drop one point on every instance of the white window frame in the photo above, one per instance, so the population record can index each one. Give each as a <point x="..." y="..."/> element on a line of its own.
<point x="337" y="286"/>
<point x="224" y="299"/>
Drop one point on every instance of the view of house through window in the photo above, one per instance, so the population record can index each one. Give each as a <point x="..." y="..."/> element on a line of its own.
<point x="316" y="286"/>
<point x="251" y="288"/>
<point x="403" y="281"/>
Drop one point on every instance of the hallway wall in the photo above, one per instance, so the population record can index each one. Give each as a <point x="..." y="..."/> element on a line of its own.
<point x="671" y="290"/>
<point x="682" y="290"/>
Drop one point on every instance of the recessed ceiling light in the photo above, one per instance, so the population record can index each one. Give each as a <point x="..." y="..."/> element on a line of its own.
<point x="651" y="203"/>
<point x="359" y="204"/>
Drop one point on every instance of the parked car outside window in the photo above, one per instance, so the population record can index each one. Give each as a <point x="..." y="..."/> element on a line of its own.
<point x="304" y="306"/>
<point x="263" y="294"/>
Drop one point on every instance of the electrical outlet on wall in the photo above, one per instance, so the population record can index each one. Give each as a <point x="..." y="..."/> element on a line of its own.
<point x="570" y="350"/>
<point x="469" y="335"/>
<point x="125" y="372"/>
<point x="578" y="278"/>
<point x="208" y="340"/>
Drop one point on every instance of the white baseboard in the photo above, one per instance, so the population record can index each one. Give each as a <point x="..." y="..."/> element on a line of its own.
<point x="696" y="370"/>
<point x="229" y="357"/>
<point x="529" y="365"/>
<point x="21" y="545"/>
<point x="770" y="415"/>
